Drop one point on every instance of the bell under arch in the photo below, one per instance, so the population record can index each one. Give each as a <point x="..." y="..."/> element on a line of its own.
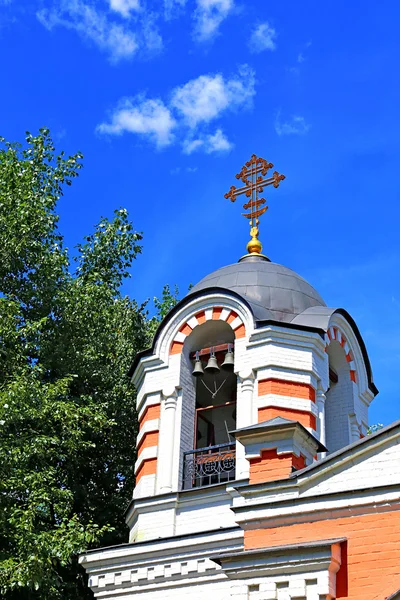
<point x="209" y="334"/>
<point x="209" y="399"/>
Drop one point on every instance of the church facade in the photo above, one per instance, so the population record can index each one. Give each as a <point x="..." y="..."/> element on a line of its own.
<point x="255" y="476"/>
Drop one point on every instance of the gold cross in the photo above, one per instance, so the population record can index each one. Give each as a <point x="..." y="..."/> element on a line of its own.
<point x="253" y="175"/>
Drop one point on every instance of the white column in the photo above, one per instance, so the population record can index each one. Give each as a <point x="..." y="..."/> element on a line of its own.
<point x="354" y="429"/>
<point x="166" y="440"/>
<point x="321" y="398"/>
<point x="244" y="418"/>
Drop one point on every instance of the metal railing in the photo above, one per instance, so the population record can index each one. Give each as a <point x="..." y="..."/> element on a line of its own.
<point x="208" y="466"/>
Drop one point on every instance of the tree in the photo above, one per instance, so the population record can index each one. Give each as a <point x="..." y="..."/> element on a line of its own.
<point x="169" y="299"/>
<point x="67" y="411"/>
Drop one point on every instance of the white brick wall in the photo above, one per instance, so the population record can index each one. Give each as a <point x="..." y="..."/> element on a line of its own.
<point x="378" y="467"/>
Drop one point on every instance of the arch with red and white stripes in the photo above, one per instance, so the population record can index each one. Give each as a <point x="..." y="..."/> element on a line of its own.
<point x="334" y="333"/>
<point x="216" y="313"/>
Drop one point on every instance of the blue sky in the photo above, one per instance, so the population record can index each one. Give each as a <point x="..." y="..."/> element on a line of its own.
<point x="167" y="100"/>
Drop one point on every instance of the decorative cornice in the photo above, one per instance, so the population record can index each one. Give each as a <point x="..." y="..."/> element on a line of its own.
<point x="282" y="560"/>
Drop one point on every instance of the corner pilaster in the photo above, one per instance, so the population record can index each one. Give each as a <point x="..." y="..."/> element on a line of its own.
<point x="169" y="401"/>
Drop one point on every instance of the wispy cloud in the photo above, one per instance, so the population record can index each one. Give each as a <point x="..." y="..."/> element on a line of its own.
<point x="147" y="117"/>
<point x="296" y="125"/>
<point x="91" y="24"/>
<point x="152" y="39"/>
<point x="125" y="7"/>
<point x="263" y="37"/>
<point x="185" y="117"/>
<point x="211" y="143"/>
<point x="178" y="170"/>
<point x="208" y="17"/>
<point x="172" y="8"/>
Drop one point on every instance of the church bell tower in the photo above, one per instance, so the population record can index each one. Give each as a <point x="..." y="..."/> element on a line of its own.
<point x="250" y="351"/>
<point x="251" y="385"/>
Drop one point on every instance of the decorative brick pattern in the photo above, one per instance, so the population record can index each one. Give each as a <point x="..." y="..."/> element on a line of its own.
<point x="334" y="333"/>
<point x="270" y="412"/>
<point x="148" y="440"/>
<point x="217" y="313"/>
<point x="286" y="388"/>
<point x="148" y="467"/>
<point x="150" y="413"/>
<point x="145" y="574"/>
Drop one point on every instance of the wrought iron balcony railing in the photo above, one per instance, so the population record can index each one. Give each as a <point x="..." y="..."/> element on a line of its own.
<point x="207" y="466"/>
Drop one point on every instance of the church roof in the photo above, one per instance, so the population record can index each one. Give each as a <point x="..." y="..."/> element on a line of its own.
<point x="365" y="441"/>
<point x="272" y="290"/>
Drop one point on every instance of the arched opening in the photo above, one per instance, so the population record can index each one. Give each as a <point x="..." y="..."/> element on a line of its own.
<point x="339" y="399"/>
<point x="210" y="405"/>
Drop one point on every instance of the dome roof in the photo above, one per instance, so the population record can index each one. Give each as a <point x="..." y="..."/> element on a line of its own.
<point x="273" y="291"/>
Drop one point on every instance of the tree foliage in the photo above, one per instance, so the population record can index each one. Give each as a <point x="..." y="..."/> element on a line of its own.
<point x="67" y="411"/>
<point x="169" y="299"/>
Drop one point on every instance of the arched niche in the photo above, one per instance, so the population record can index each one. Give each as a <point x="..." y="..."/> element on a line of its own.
<point x="339" y="398"/>
<point x="208" y="401"/>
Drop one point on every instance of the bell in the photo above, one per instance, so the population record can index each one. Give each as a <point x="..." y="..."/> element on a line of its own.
<point x="198" y="367"/>
<point x="212" y="365"/>
<point x="228" y="363"/>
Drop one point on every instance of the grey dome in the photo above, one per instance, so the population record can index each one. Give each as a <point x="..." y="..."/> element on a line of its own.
<point x="273" y="291"/>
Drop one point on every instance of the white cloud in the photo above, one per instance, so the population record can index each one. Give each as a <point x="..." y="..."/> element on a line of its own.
<point x="295" y="126"/>
<point x="209" y="16"/>
<point x="205" y="98"/>
<point x="216" y="142"/>
<point x="150" y="118"/>
<point x="263" y="38"/>
<point x="113" y="38"/>
<point x="125" y="7"/>
<point x="300" y="57"/>
<point x="185" y="118"/>
<point x="190" y="146"/>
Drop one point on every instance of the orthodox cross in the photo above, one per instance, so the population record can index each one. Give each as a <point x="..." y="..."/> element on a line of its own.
<point x="253" y="175"/>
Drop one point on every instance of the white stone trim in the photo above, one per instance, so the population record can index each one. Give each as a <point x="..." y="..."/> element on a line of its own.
<point x="147" y="400"/>
<point x="180" y="337"/>
<point x="225" y="314"/>
<point x="290" y="402"/>
<point x="145" y="454"/>
<point x="192" y="322"/>
<point x="147" y="427"/>
<point x="306" y="509"/>
<point x="292" y="375"/>
<point x="237" y="322"/>
<point x="209" y="313"/>
<point x="114" y="557"/>
<point x="145" y="487"/>
<point x="283" y="572"/>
